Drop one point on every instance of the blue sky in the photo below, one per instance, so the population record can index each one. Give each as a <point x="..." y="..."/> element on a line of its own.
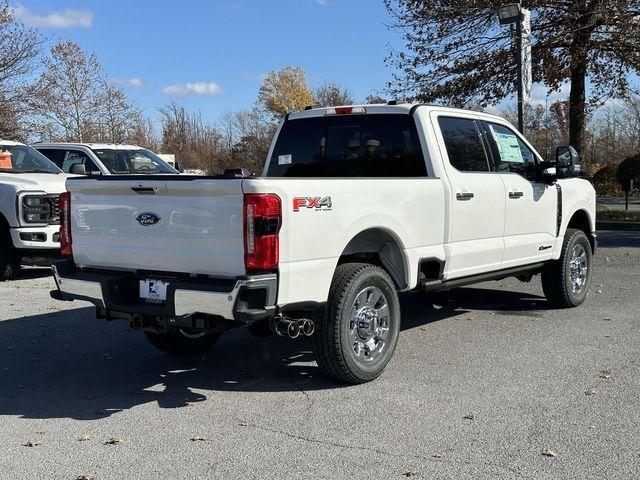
<point x="211" y="55"/>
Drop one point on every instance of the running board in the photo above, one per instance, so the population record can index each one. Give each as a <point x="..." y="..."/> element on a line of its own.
<point x="433" y="285"/>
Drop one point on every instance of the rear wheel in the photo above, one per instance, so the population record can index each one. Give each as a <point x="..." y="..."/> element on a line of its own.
<point x="183" y="342"/>
<point x="357" y="335"/>
<point x="566" y="281"/>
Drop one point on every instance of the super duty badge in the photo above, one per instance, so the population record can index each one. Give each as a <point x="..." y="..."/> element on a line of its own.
<point x="315" y="203"/>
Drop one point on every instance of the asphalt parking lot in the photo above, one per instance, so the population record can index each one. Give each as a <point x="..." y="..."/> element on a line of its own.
<point x="485" y="379"/>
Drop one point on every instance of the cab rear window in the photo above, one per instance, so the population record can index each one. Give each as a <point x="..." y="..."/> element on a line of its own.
<point x="384" y="145"/>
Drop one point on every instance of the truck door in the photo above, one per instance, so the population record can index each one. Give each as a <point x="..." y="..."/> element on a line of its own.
<point x="530" y="216"/>
<point x="476" y="197"/>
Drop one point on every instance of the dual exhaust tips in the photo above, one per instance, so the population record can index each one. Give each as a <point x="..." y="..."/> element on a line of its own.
<point x="292" y="328"/>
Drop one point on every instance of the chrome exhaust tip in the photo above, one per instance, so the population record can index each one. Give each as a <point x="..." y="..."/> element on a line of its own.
<point x="293" y="330"/>
<point x="283" y="326"/>
<point x="307" y="327"/>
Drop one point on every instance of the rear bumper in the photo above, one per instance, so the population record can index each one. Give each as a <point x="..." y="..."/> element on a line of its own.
<point x="244" y="299"/>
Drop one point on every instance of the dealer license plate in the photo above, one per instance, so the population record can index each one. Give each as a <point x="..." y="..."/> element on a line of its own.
<point x="153" y="291"/>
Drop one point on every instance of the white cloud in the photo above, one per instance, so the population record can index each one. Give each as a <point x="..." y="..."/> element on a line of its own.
<point x="134" y="82"/>
<point x="198" y="88"/>
<point x="60" y="19"/>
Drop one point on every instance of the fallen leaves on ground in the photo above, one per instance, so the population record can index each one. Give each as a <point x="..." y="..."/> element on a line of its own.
<point x="114" y="441"/>
<point x="550" y="452"/>
<point x="593" y="391"/>
<point x="84" y="438"/>
<point x="436" y="455"/>
<point x="606" y="374"/>
<point x="198" y="438"/>
<point x="470" y="416"/>
<point x="33" y="443"/>
<point x="86" y="477"/>
<point x="412" y="472"/>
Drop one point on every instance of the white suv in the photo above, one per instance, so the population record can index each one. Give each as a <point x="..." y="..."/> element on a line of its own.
<point x="29" y="214"/>
<point x="103" y="159"/>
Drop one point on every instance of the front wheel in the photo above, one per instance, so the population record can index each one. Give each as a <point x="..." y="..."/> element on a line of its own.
<point x="9" y="258"/>
<point x="566" y="281"/>
<point x="182" y="342"/>
<point x="357" y="335"/>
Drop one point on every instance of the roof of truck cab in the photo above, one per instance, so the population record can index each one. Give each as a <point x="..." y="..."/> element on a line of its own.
<point x="378" y="108"/>
<point x="93" y="146"/>
<point x="10" y="142"/>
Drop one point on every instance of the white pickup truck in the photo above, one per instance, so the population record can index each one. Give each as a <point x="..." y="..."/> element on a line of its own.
<point x="355" y="205"/>
<point x="29" y="219"/>
<point x="104" y="159"/>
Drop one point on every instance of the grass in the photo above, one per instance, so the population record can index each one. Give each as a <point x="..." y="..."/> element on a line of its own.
<point x="608" y="215"/>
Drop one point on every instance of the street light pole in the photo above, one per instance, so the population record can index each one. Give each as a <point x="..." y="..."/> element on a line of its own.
<point x="508" y="15"/>
<point x="520" y="83"/>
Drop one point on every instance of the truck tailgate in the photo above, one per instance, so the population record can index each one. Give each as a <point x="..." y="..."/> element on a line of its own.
<point x="175" y="224"/>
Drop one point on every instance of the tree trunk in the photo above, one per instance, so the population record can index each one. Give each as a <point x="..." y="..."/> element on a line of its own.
<point x="578" y="105"/>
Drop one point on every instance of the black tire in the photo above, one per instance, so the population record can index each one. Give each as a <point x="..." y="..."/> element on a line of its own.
<point x="9" y="258"/>
<point x="336" y="342"/>
<point x="558" y="276"/>
<point x="179" y="343"/>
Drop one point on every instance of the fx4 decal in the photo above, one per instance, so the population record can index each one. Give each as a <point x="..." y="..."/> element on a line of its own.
<point x="316" y="203"/>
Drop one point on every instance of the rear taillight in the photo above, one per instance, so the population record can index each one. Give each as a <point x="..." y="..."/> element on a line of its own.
<point x="64" y="202"/>
<point x="262" y="220"/>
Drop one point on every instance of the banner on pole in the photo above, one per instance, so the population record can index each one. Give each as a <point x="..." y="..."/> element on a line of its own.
<point x="527" y="75"/>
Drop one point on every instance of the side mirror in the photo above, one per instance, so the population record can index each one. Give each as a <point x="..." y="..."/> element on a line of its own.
<point x="78" y="169"/>
<point x="567" y="162"/>
<point x="179" y="167"/>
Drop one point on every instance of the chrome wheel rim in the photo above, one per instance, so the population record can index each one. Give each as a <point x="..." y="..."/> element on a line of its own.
<point x="369" y="324"/>
<point x="578" y="268"/>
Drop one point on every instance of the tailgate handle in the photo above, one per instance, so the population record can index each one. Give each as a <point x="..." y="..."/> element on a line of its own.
<point x="144" y="190"/>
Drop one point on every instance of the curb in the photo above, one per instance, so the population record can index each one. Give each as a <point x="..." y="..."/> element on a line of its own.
<point x="624" y="226"/>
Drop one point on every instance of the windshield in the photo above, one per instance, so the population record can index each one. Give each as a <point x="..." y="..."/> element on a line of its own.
<point x="132" y="161"/>
<point x="24" y="159"/>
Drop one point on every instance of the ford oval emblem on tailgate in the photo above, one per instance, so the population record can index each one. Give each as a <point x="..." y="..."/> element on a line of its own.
<point x="148" y="219"/>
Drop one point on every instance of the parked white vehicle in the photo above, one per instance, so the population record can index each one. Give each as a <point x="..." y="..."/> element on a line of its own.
<point x="104" y="159"/>
<point x="29" y="217"/>
<point x="355" y="205"/>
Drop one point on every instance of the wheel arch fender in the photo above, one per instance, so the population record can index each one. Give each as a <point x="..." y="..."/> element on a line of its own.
<point x="381" y="245"/>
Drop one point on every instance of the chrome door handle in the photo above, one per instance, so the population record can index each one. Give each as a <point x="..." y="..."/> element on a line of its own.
<point x="516" y="194"/>
<point x="464" y="195"/>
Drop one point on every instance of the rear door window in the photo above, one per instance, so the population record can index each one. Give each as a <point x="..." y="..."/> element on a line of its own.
<point x="384" y="145"/>
<point x="55" y="155"/>
<point x="73" y="157"/>
<point x="463" y="140"/>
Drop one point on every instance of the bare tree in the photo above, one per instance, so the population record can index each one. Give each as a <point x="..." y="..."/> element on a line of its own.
<point x="68" y="95"/>
<point x="117" y="116"/>
<point x="19" y="55"/>
<point x="332" y="95"/>
<point x="143" y="133"/>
